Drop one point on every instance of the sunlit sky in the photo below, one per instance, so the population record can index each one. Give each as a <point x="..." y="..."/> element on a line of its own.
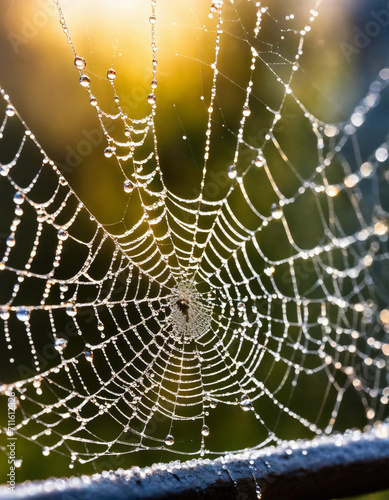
<point x="39" y="73"/>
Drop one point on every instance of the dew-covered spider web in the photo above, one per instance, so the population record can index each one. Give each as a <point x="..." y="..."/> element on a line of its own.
<point x="242" y="298"/>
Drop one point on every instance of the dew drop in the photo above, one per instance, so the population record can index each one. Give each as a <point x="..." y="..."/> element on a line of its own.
<point x="108" y="152"/>
<point x="111" y="74"/>
<point x="18" y="198"/>
<point x="232" y="172"/>
<point x="276" y="211"/>
<point x="351" y="180"/>
<point x="11" y="241"/>
<point x="4" y="314"/>
<point x="46" y="451"/>
<point x="366" y="169"/>
<point x="152" y="20"/>
<point x="381" y="228"/>
<point x="246" y="111"/>
<point x="245" y="403"/>
<point x="10" y="110"/>
<point x="269" y="270"/>
<point x="79" y="63"/>
<point x="88" y="355"/>
<point x="100" y="326"/>
<point x="62" y="235"/>
<point x="60" y="344"/>
<point x="151" y="99"/>
<point x="18" y="463"/>
<point x="93" y="101"/>
<point x="23" y="315"/>
<point x="71" y="310"/>
<point x="382" y="154"/>
<point x="205" y="430"/>
<point x="332" y="191"/>
<point x="128" y="186"/>
<point x="169" y="440"/>
<point x="84" y="81"/>
<point x="213" y="403"/>
<point x="322" y="320"/>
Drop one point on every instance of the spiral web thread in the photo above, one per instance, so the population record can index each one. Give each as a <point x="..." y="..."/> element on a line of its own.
<point x="187" y="312"/>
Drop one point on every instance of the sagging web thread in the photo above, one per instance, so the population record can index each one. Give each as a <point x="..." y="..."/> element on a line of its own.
<point x="187" y="312"/>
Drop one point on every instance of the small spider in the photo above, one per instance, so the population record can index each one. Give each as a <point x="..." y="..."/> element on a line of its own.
<point x="183" y="305"/>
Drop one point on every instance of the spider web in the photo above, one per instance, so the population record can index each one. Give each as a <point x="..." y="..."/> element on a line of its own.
<point x="258" y="302"/>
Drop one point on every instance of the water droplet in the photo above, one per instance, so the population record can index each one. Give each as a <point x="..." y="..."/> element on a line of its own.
<point x="111" y="74"/>
<point x="323" y="320"/>
<point x="60" y="344"/>
<point x="71" y="310"/>
<point x="11" y="241"/>
<point x="258" y="492"/>
<point x="79" y="63"/>
<point x="169" y="440"/>
<point x="151" y="99"/>
<point x="152" y="20"/>
<point x="88" y="355"/>
<point x="245" y="403"/>
<point x="19" y="211"/>
<point x="63" y="287"/>
<point x="127" y="132"/>
<point x="93" y="101"/>
<point x="332" y="191"/>
<point x="84" y="80"/>
<point x="18" y="198"/>
<point x="4" y="313"/>
<point x="18" y="463"/>
<point x="232" y="172"/>
<point x="62" y="235"/>
<point x="351" y="180"/>
<point x="100" y="326"/>
<point x="382" y="154"/>
<point x="269" y="270"/>
<point x="46" y="451"/>
<point x="23" y="315"/>
<point x="213" y="403"/>
<point x="128" y="186"/>
<point x="205" y="430"/>
<point x="381" y="228"/>
<point x="108" y="152"/>
<point x="10" y="110"/>
<point x="366" y="169"/>
<point x="276" y="211"/>
<point x="246" y="111"/>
